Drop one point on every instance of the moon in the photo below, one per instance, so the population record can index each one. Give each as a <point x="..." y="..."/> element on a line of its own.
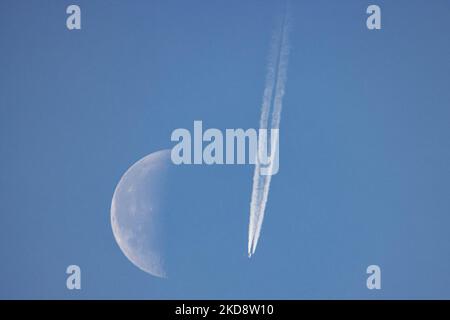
<point x="138" y="218"/>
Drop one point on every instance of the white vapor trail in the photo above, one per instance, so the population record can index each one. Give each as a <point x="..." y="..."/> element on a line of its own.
<point x="275" y="81"/>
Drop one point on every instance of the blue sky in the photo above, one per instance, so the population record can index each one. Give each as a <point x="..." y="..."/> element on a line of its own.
<point x="364" y="149"/>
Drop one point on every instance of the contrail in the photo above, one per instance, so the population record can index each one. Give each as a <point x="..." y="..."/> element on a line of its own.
<point x="277" y="65"/>
<point x="263" y="124"/>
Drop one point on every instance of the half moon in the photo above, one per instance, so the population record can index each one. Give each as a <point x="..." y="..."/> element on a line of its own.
<point x="137" y="216"/>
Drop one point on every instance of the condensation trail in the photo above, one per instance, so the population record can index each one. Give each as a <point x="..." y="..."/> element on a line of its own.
<point x="258" y="180"/>
<point x="277" y="65"/>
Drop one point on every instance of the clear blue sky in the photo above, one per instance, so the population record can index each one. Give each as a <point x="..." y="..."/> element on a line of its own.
<point x="364" y="157"/>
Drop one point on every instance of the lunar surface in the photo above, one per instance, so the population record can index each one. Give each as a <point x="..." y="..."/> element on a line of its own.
<point x="137" y="213"/>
